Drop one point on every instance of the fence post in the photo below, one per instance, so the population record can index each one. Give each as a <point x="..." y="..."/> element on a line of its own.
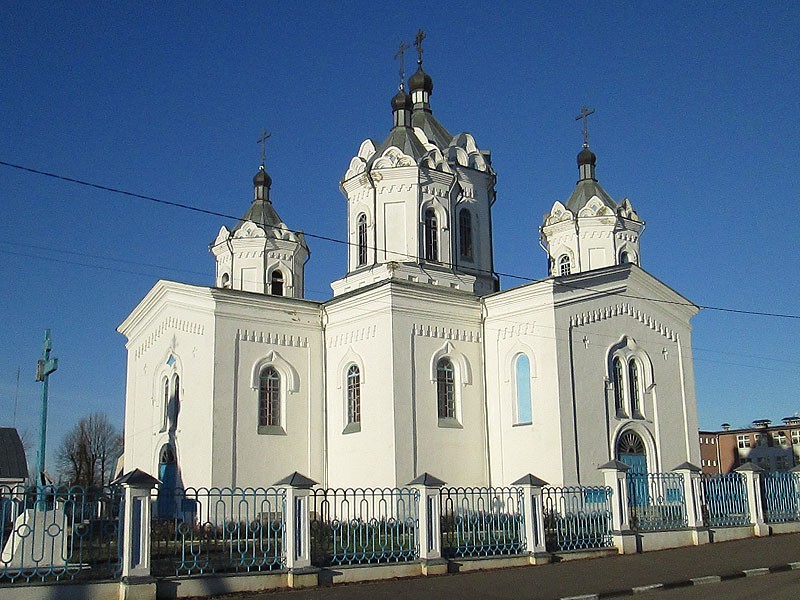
<point x="298" y="531"/>
<point x="752" y="485"/>
<point x="692" y="497"/>
<point x="615" y="474"/>
<point x="136" y="581"/>
<point x="430" y="523"/>
<point x="533" y="509"/>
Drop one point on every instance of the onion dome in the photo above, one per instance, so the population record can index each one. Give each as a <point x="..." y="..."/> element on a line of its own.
<point x="401" y="101"/>
<point x="421" y="81"/>
<point x="586" y="157"/>
<point x="262" y="179"/>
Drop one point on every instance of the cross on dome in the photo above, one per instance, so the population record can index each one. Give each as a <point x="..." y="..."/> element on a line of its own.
<point x="585" y="112"/>
<point x="265" y="135"/>
<point x="401" y="56"/>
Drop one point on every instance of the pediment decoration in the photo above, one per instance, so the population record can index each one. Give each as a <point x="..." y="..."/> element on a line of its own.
<point x="558" y="214"/>
<point x="626" y="210"/>
<point x="510" y="360"/>
<point x="351" y="357"/>
<point x="460" y="362"/>
<point x="393" y="157"/>
<point x="622" y="309"/>
<point x="287" y="371"/>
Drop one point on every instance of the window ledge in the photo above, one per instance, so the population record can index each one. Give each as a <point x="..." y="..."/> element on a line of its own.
<point x="450" y="423"/>
<point x="525" y="424"/>
<point x="271" y="430"/>
<point x="352" y="428"/>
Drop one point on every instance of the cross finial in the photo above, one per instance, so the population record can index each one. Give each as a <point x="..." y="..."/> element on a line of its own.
<point x="418" y="44"/>
<point x="585" y="112"/>
<point x="265" y="135"/>
<point x="401" y="56"/>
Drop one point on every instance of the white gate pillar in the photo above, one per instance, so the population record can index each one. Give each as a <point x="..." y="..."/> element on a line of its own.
<point x="692" y="497"/>
<point x="533" y="509"/>
<point x="136" y="583"/>
<point x="430" y="523"/>
<point x="615" y="474"/>
<point x="752" y="485"/>
<point x="297" y="520"/>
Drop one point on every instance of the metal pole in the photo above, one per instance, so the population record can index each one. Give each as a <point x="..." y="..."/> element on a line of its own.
<point x="44" y="368"/>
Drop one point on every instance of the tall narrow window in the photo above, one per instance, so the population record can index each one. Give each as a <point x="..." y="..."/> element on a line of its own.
<point x="523" y="374"/>
<point x="165" y="405"/>
<point x="431" y="235"/>
<point x="465" y="233"/>
<point x="353" y="395"/>
<point x="445" y="389"/>
<point x="174" y="403"/>
<point x="564" y="268"/>
<point x="269" y="398"/>
<point x="619" y="386"/>
<point x="362" y="239"/>
<point x="635" y="388"/>
<point x="277" y="283"/>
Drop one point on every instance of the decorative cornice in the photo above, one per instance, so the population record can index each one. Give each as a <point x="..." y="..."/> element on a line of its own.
<point x="446" y="333"/>
<point x="356" y="335"/>
<point x="273" y="339"/>
<point x="169" y="323"/>
<point x="623" y="308"/>
<point x="515" y="330"/>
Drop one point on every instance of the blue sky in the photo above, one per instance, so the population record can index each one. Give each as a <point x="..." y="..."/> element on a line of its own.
<point x="696" y="123"/>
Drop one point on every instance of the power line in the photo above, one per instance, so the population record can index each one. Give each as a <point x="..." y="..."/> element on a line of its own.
<point x="558" y="281"/>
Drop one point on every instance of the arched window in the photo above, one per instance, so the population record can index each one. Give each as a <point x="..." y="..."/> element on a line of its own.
<point x="362" y="239"/>
<point x="431" y="235"/>
<point x="635" y="387"/>
<point x="165" y="404"/>
<point x="523" y="375"/>
<point x="624" y="258"/>
<point x="445" y="389"/>
<point x="619" y="386"/>
<point x="353" y="395"/>
<point x="175" y="403"/>
<point x="277" y="283"/>
<point x="465" y="233"/>
<point x="225" y="280"/>
<point x="269" y="398"/>
<point x="564" y="268"/>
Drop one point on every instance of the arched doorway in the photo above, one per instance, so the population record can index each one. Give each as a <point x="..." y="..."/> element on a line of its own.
<point x="631" y="451"/>
<point x="168" y="474"/>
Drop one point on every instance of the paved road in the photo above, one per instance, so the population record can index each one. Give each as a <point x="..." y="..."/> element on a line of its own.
<point x="612" y="576"/>
<point x="775" y="586"/>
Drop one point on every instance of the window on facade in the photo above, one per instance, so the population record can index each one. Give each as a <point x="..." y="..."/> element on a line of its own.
<point x="779" y="439"/>
<point x="635" y="387"/>
<point x="431" y="235"/>
<point x="795" y="437"/>
<point x="523" y="374"/>
<point x="619" y="385"/>
<point x="465" y="233"/>
<point x="269" y="398"/>
<point x="165" y="405"/>
<point x="445" y="389"/>
<point x="624" y="258"/>
<point x="564" y="268"/>
<point x="225" y="280"/>
<point x="743" y="441"/>
<point x="175" y="403"/>
<point x="353" y="395"/>
<point x="362" y="239"/>
<point x="276" y="283"/>
<point x="761" y="439"/>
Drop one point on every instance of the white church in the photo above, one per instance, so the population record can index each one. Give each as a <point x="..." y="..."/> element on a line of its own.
<point x="419" y="362"/>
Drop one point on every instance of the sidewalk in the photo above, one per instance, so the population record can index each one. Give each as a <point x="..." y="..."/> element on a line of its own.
<point x="602" y="577"/>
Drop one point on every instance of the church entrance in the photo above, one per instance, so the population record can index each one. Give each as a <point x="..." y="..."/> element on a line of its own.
<point x="631" y="451"/>
<point x="168" y="474"/>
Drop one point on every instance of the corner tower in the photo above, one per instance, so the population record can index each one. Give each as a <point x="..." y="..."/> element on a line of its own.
<point x="261" y="254"/>
<point x="591" y="230"/>
<point x="419" y="203"/>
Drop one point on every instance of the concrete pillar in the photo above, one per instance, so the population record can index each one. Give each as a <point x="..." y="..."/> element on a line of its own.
<point x="297" y="518"/>
<point x="136" y="582"/>
<point x="615" y="474"/>
<point x="533" y="509"/>
<point x="692" y="495"/>
<point x="752" y="485"/>
<point x="430" y="523"/>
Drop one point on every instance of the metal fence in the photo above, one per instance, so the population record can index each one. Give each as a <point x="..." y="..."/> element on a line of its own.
<point x="482" y="521"/>
<point x="781" y="494"/>
<point x="577" y="518"/>
<point x="59" y="534"/>
<point x="656" y="501"/>
<point x="355" y="526"/>
<point x="725" y="500"/>
<point x="218" y="530"/>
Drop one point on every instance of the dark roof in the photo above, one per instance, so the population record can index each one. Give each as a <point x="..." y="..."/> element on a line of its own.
<point x="435" y="131"/>
<point x="137" y="478"/>
<point x="584" y="191"/>
<point x="12" y="455"/>
<point x="262" y="214"/>
<point x="404" y="139"/>
<point x="297" y="480"/>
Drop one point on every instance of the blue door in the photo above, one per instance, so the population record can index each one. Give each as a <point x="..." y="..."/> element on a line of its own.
<point x="630" y="451"/>
<point x="168" y="474"/>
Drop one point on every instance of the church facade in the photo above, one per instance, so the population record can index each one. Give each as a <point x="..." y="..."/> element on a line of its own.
<point x="419" y="362"/>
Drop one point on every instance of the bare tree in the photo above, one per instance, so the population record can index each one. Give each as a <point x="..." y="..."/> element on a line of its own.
<point x="88" y="452"/>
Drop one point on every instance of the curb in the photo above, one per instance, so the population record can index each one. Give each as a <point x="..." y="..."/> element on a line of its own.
<point x="706" y="580"/>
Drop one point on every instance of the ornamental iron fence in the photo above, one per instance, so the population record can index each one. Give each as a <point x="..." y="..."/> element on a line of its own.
<point x="577" y="518"/>
<point x="219" y="530"/>
<point x="59" y="533"/>
<point x="482" y="521"/>
<point x="357" y="526"/>
<point x="656" y="501"/>
<point x="781" y="494"/>
<point x="725" y="500"/>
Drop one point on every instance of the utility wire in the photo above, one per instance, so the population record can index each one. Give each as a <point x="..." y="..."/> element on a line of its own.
<point x="558" y="281"/>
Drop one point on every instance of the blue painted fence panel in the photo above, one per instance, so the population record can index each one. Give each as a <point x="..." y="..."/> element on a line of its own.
<point x="577" y="518"/>
<point x="781" y="494"/>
